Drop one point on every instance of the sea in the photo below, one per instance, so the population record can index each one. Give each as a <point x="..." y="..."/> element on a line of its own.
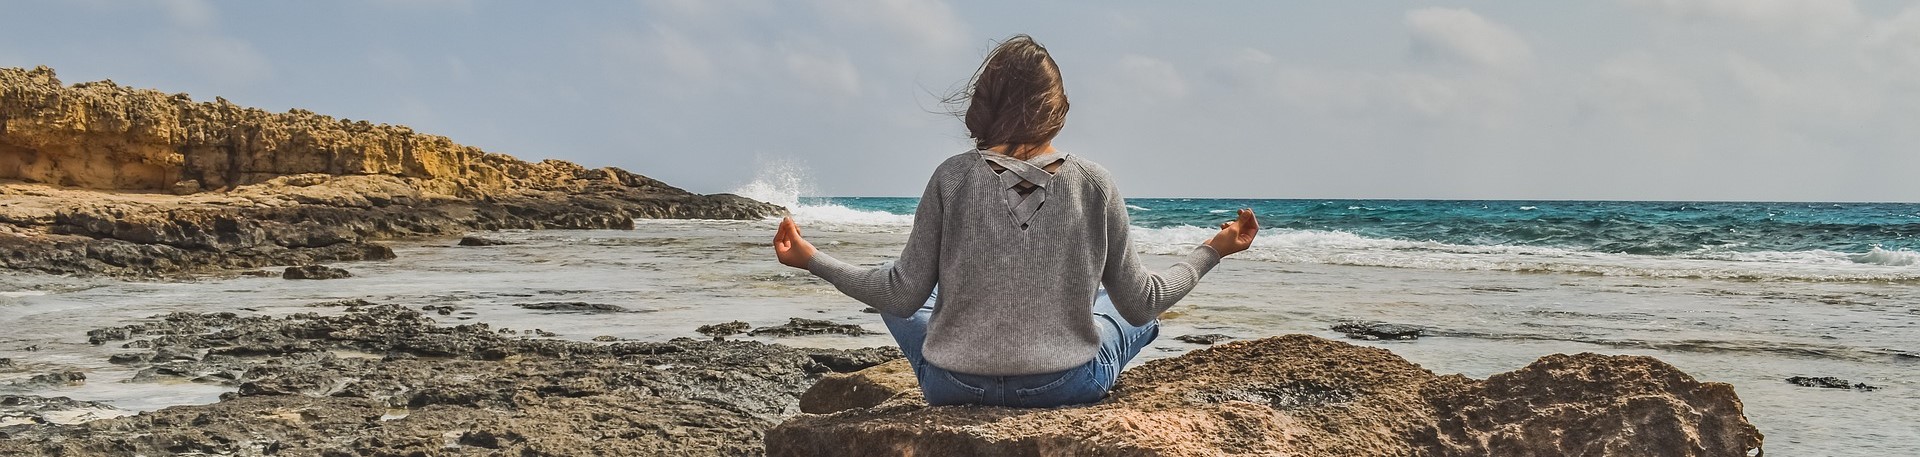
<point x="1746" y="293"/>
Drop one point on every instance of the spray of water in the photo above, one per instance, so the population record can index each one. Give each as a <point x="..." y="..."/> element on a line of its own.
<point x="778" y="181"/>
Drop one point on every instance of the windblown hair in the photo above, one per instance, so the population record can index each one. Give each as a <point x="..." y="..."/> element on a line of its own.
<point x="1016" y="98"/>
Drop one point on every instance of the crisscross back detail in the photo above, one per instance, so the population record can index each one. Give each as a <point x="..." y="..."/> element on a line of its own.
<point x="1025" y="182"/>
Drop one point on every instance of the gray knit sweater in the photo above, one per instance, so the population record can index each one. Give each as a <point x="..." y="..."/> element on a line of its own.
<point x="1017" y="273"/>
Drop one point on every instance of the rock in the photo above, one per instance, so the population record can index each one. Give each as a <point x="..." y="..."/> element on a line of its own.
<point x="573" y="307"/>
<point x="724" y="329"/>
<point x="801" y="327"/>
<point x="478" y="241"/>
<point x="316" y="272"/>
<point x="467" y="389"/>
<point x="102" y="336"/>
<point x="851" y="360"/>
<point x="128" y="359"/>
<point x="1303" y="395"/>
<point x="444" y="310"/>
<point x="1209" y="338"/>
<point x="54" y="379"/>
<point x="861" y="389"/>
<point x="1378" y="331"/>
<point x="1829" y="382"/>
<point x="256" y="189"/>
<point x="6" y="362"/>
<point x="23" y="411"/>
<point x="606" y="338"/>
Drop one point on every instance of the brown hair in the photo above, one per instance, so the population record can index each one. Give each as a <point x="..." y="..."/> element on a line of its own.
<point x="1016" y="98"/>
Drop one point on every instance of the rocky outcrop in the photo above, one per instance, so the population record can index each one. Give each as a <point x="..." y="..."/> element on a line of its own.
<point x="1302" y="395"/>
<point x="437" y="390"/>
<point x="101" y="135"/>
<point x="315" y="272"/>
<point x="262" y="189"/>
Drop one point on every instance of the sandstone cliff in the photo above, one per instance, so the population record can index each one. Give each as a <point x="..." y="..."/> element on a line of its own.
<point x="100" y="135"/>
<point x="260" y="189"/>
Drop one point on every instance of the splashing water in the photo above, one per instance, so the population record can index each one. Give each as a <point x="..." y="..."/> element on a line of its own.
<point x="778" y="181"/>
<point x="788" y="183"/>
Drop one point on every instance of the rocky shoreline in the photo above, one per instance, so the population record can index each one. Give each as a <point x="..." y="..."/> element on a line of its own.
<point x="387" y="379"/>
<point x="383" y="379"/>
<point x="96" y="178"/>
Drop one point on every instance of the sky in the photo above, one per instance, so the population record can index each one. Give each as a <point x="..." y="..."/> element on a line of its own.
<point x="1747" y="100"/>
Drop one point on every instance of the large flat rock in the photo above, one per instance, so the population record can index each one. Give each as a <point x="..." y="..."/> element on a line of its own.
<point x="1303" y="395"/>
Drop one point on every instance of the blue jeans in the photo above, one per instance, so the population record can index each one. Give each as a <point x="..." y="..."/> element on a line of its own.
<point x="1088" y="383"/>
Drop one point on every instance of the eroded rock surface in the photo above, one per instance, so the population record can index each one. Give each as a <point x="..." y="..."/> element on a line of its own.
<point x="387" y="380"/>
<point x="315" y="272"/>
<point x="1302" y="395"/>
<point x="102" y="164"/>
<point x="797" y="326"/>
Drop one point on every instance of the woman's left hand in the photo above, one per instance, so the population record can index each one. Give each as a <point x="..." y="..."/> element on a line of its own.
<point x="792" y="250"/>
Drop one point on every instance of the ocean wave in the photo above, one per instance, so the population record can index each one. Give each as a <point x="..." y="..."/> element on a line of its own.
<point x="1343" y="248"/>
<point x="1879" y="256"/>
<point x="837" y="215"/>
<point x="1137" y="208"/>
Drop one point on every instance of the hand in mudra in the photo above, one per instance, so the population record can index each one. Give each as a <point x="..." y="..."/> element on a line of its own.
<point x="1237" y="235"/>
<point x="789" y="247"/>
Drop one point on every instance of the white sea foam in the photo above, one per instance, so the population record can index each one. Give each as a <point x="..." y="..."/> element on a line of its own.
<point x="1138" y="208"/>
<point x="783" y="182"/>
<point x="1879" y="256"/>
<point x="1342" y="248"/>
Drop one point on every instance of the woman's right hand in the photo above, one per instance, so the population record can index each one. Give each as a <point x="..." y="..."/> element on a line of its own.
<point x="792" y="250"/>
<point x="1237" y="235"/>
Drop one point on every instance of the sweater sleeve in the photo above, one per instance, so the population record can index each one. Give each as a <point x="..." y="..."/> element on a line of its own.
<point x="1138" y="294"/>
<point x="900" y="287"/>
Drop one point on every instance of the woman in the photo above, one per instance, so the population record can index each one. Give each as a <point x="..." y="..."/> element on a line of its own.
<point x="1019" y="237"/>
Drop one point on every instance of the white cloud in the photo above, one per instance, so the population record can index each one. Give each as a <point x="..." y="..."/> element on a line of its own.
<point x="1463" y="35"/>
<point x="927" y="24"/>
<point x="831" y="72"/>
<point x="196" y="14"/>
<point x="1149" y="78"/>
<point x="221" y="58"/>
<point x="1637" y="86"/>
<point x="1816" y="17"/>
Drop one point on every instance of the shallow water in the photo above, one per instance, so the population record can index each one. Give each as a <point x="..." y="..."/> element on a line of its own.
<point x="678" y="275"/>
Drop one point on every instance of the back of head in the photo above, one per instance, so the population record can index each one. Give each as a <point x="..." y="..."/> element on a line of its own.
<point x="1016" y="99"/>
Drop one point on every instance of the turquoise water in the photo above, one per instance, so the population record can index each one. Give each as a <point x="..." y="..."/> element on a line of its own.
<point x="1649" y="228"/>
<point x="1827" y="241"/>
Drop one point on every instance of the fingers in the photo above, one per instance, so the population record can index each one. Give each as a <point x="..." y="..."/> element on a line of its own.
<point x="1247" y="220"/>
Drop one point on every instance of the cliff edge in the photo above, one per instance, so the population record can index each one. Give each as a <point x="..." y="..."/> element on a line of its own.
<point x="100" y="178"/>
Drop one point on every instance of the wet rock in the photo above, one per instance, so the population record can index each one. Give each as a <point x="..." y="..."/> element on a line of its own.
<point x="444" y="310"/>
<point x="724" y="329"/>
<point x="6" y="362"/>
<point x="478" y="241"/>
<point x="1828" y="382"/>
<point x="98" y="337"/>
<point x="1378" y="331"/>
<point x="861" y="389"/>
<point x="606" y="338"/>
<point x="18" y="412"/>
<point x="1208" y="338"/>
<point x="1302" y="395"/>
<point x="316" y="272"/>
<point x="802" y="327"/>
<point x="503" y="395"/>
<point x="54" y="379"/>
<point x="573" y="307"/>
<point x="128" y="359"/>
<point x="850" y="360"/>
<point x="351" y="303"/>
